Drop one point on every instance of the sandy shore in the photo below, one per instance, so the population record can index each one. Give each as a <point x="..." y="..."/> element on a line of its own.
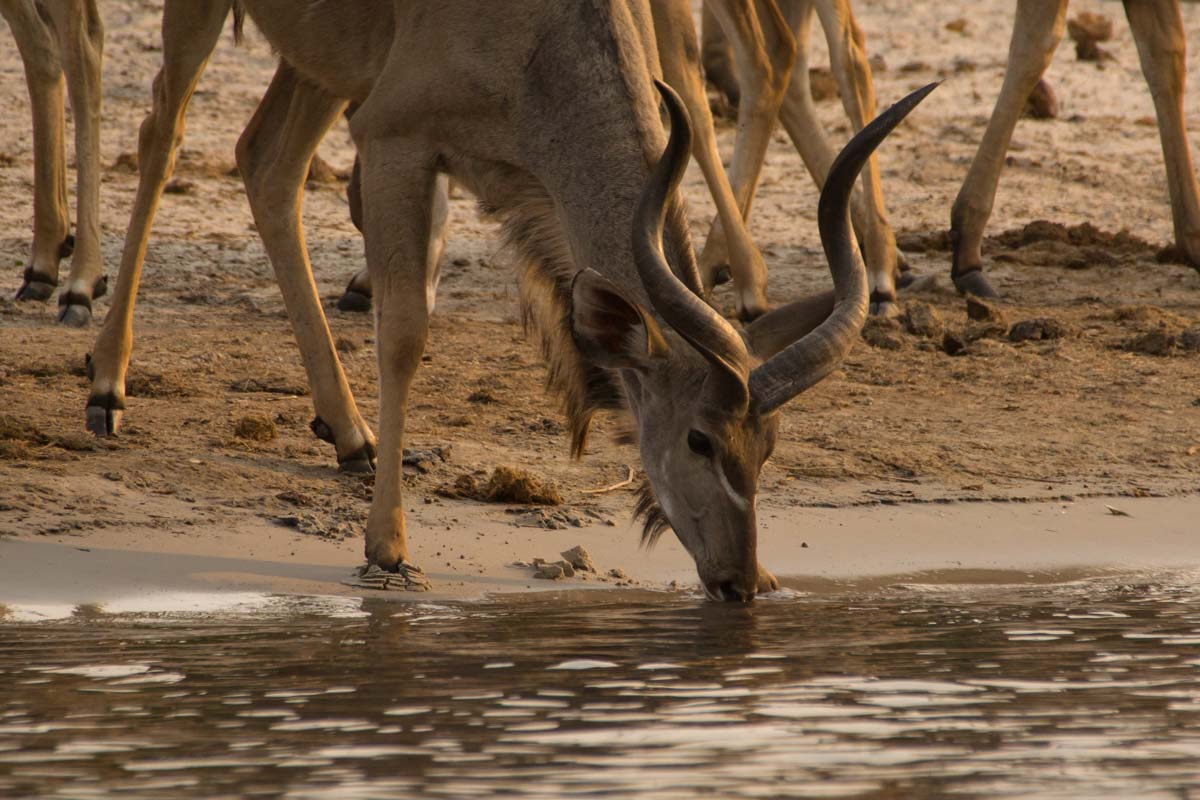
<point x="810" y="549"/>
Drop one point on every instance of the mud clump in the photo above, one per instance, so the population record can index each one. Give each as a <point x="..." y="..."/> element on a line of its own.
<point x="883" y="333"/>
<point x="980" y="310"/>
<point x="1038" y="329"/>
<point x="159" y="385"/>
<point x="922" y="319"/>
<point x="924" y="241"/>
<point x="1087" y="30"/>
<point x="1042" y="102"/>
<point x="1158" y="342"/>
<point x="1082" y="246"/>
<point x="179" y="186"/>
<point x="506" y="485"/>
<point x="255" y="428"/>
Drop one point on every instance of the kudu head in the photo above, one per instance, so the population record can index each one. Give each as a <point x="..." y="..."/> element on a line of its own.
<point x="703" y="394"/>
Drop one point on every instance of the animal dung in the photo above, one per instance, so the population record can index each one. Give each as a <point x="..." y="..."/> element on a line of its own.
<point x="1086" y="30"/>
<point x="1042" y="102"/>
<point x="506" y="485"/>
<point x="255" y="428"/>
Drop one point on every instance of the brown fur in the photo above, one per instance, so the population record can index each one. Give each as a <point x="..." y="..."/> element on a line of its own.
<point x="654" y="519"/>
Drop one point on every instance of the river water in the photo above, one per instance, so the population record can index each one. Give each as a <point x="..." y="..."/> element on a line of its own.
<point x="1088" y="689"/>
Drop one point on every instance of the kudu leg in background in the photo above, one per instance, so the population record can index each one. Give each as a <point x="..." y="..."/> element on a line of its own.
<point x="190" y="30"/>
<point x="765" y="51"/>
<point x="81" y="44"/>
<point x="74" y="35"/>
<point x="1158" y="31"/>
<point x="717" y="57"/>
<point x="678" y="51"/>
<point x="849" y="65"/>
<point x="273" y="155"/>
<point x="1037" y="30"/>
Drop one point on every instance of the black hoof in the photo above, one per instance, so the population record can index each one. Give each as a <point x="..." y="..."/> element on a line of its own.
<point x="74" y="309"/>
<point x="906" y="278"/>
<point x="104" y="414"/>
<point x="975" y="283"/>
<point x="360" y="462"/>
<point x="884" y="305"/>
<point x="35" y="286"/>
<point x="354" y="300"/>
<point x="67" y="247"/>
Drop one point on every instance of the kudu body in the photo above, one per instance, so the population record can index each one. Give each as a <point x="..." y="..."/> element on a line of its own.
<point x="554" y="125"/>
<point x="1158" y="31"/>
<point x="57" y="37"/>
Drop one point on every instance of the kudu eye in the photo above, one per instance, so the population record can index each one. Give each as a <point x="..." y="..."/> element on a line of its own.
<point x="700" y="444"/>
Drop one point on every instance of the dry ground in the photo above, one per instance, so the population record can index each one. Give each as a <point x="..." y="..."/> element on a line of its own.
<point x="901" y="421"/>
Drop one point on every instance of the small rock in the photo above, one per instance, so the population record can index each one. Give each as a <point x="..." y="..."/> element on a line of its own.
<point x="958" y="25"/>
<point x="877" y="63"/>
<point x="1042" y="102"/>
<point x="255" y="428"/>
<point x="482" y="396"/>
<point x="922" y="319"/>
<point x="617" y="573"/>
<point x="549" y="572"/>
<point x="579" y="558"/>
<point x="126" y="162"/>
<point x="345" y="345"/>
<point x="916" y="66"/>
<point x="1037" y="329"/>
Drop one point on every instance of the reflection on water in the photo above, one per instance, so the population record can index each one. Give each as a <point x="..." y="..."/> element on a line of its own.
<point x="1084" y="690"/>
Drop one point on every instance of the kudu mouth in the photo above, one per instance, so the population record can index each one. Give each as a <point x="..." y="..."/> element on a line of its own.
<point x="806" y="361"/>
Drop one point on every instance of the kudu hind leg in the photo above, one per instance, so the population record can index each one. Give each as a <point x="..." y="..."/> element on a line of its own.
<point x="190" y="30"/>
<point x="81" y="37"/>
<point x="39" y="50"/>
<point x="1162" y="49"/>
<point x="400" y="188"/>
<point x="357" y="296"/>
<point x="765" y="51"/>
<point x="273" y="155"/>
<point x="1037" y="30"/>
<point x="678" y="52"/>
<point x="852" y="70"/>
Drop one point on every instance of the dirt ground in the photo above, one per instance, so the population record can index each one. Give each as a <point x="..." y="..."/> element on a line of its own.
<point x="1109" y="406"/>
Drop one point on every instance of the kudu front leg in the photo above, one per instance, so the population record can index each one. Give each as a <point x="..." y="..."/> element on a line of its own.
<point x="1162" y="49"/>
<point x="39" y="49"/>
<point x="190" y="30"/>
<point x="273" y="155"/>
<point x="1037" y="30"/>
<point x="765" y="51"/>
<point x="678" y="51"/>
<point x="81" y="39"/>
<point x="400" y="186"/>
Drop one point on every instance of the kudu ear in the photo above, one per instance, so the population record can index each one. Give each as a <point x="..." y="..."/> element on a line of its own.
<point x="778" y="328"/>
<point x="609" y="329"/>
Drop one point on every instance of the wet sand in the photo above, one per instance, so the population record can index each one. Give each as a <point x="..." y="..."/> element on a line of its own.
<point x="812" y="550"/>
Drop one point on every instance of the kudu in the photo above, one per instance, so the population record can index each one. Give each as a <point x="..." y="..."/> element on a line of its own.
<point x="554" y="126"/>
<point x="1158" y="30"/>
<point x="53" y="37"/>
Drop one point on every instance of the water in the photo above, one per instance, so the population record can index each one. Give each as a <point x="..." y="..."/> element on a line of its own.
<point x="1084" y="690"/>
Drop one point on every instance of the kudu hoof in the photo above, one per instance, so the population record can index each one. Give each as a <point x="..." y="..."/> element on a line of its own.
<point x="906" y="278"/>
<point x="404" y="576"/>
<point x="354" y="300"/>
<point x="975" y="283"/>
<point x="360" y="462"/>
<point x="884" y="306"/>
<point x="35" y="287"/>
<point x="104" y="414"/>
<point x="74" y="310"/>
